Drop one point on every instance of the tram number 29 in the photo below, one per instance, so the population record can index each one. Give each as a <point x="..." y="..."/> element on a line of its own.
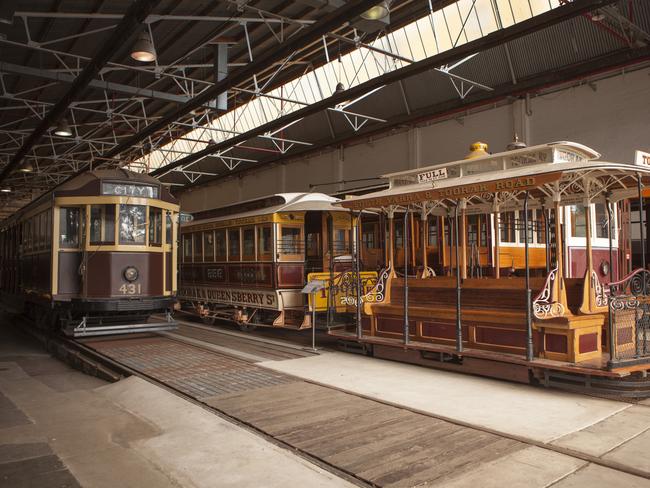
<point x="130" y="289"/>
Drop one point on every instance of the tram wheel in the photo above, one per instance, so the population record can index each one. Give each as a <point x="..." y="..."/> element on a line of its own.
<point x="246" y="327"/>
<point x="208" y="320"/>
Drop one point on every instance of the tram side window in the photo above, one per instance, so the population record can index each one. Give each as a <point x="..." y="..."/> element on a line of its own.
<point x="399" y="234"/>
<point x="248" y="243"/>
<point x="208" y="246"/>
<point x="602" y="222"/>
<point x="340" y="242"/>
<point x="233" y="244"/>
<point x="220" y="245"/>
<point x="133" y="222"/>
<point x="578" y="221"/>
<point x="168" y="227"/>
<point x="368" y="235"/>
<point x="187" y="248"/>
<point x="432" y="234"/>
<point x="155" y="226"/>
<point x="531" y="226"/>
<point x="198" y="247"/>
<point x="290" y="240"/>
<point x="69" y="227"/>
<point x="264" y="241"/>
<point x="102" y="224"/>
<point x="507" y="227"/>
<point x="540" y="226"/>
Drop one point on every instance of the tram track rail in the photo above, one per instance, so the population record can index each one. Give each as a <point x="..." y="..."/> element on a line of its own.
<point x="103" y="362"/>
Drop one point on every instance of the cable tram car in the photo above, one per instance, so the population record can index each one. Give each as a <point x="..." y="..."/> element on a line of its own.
<point x="248" y="262"/>
<point x="96" y="255"/>
<point x="508" y="265"/>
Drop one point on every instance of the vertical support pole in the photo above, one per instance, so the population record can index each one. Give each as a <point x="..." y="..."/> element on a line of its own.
<point x="357" y="263"/>
<point x="588" y="237"/>
<point x="313" y="320"/>
<point x="406" y="277"/>
<point x="330" y="250"/>
<point x="221" y="72"/>
<point x="459" y="327"/>
<point x="442" y="244"/>
<point x="463" y="236"/>
<point x="497" y="242"/>
<point x="424" y="221"/>
<point x="559" y="240"/>
<point x="391" y="240"/>
<point x="529" y="304"/>
<point x="611" y="339"/>
<point x="641" y="223"/>
<point x="547" y="238"/>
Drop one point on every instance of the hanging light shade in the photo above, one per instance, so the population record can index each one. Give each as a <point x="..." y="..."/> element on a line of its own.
<point x="339" y="88"/>
<point x="5" y="189"/>
<point x="378" y="12"/>
<point x="26" y="167"/>
<point x="143" y="49"/>
<point x="63" y="129"/>
<point x="597" y="16"/>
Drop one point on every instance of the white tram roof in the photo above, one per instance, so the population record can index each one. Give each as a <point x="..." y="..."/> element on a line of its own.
<point x="564" y="162"/>
<point x="279" y="202"/>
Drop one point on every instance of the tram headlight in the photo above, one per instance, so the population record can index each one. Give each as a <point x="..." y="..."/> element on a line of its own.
<point x="130" y="273"/>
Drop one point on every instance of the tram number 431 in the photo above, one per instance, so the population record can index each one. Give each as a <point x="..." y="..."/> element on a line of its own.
<point x="131" y="289"/>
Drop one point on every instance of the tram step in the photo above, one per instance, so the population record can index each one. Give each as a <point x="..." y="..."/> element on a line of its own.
<point x="120" y="329"/>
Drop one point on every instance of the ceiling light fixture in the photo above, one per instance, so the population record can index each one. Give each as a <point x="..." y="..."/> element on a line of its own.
<point x="26" y="167"/>
<point x="339" y="88"/>
<point x="5" y="189"/>
<point x="378" y="12"/>
<point x="63" y="129"/>
<point x="143" y="49"/>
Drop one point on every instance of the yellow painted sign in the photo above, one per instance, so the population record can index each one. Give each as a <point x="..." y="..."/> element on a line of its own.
<point x="344" y="290"/>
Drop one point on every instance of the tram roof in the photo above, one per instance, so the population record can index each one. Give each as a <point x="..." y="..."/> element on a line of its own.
<point x="280" y="202"/>
<point x="561" y="167"/>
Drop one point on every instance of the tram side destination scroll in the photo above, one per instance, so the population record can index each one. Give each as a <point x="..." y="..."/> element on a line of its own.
<point x="453" y="192"/>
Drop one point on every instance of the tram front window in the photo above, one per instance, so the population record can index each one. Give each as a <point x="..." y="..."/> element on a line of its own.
<point x="102" y="224"/>
<point x="602" y="221"/>
<point x="69" y="227"/>
<point x="133" y="219"/>
<point x="290" y="240"/>
<point x="578" y="221"/>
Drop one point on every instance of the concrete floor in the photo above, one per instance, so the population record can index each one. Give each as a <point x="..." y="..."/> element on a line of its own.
<point x="61" y="428"/>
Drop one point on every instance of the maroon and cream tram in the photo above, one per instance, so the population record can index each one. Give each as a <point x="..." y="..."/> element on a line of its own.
<point x="249" y="262"/>
<point x="96" y="255"/>
<point x="514" y="265"/>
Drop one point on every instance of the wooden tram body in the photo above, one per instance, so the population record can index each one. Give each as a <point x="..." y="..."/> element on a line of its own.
<point x="96" y="255"/>
<point x="474" y="294"/>
<point x="248" y="262"/>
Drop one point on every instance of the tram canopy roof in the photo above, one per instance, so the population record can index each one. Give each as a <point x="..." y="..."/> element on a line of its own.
<point x="567" y="172"/>
<point x="281" y="202"/>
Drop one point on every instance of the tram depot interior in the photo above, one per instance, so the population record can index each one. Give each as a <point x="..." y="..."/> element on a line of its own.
<point x="264" y="243"/>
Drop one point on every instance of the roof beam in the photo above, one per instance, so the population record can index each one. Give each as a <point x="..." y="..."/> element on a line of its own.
<point x="614" y="61"/>
<point x="497" y="38"/>
<point x="308" y="35"/>
<point x="94" y="83"/>
<point x="131" y="21"/>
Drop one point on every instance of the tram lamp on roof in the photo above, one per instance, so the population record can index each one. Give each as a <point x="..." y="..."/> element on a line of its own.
<point x="378" y="12"/>
<point x="143" y="49"/>
<point x="63" y="129"/>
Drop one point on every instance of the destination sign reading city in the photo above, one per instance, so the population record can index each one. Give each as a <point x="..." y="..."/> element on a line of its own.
<point x="130" y="190"/>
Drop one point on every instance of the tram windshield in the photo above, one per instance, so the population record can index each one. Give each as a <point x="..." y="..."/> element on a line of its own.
<point x="69" y="227"/>
<point x="102" y="224"/>
<point x="132" y="223"/>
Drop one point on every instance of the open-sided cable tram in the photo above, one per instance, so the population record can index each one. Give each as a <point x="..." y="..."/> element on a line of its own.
<point x="529" y="283"/>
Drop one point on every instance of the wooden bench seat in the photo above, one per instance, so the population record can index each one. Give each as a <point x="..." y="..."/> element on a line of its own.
<point x="493" y="315"/>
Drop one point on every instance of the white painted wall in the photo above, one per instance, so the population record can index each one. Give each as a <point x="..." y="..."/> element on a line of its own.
<point x="613" y="119"/>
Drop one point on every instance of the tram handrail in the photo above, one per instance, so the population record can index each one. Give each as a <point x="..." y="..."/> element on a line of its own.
<point x="635" y="280"/>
